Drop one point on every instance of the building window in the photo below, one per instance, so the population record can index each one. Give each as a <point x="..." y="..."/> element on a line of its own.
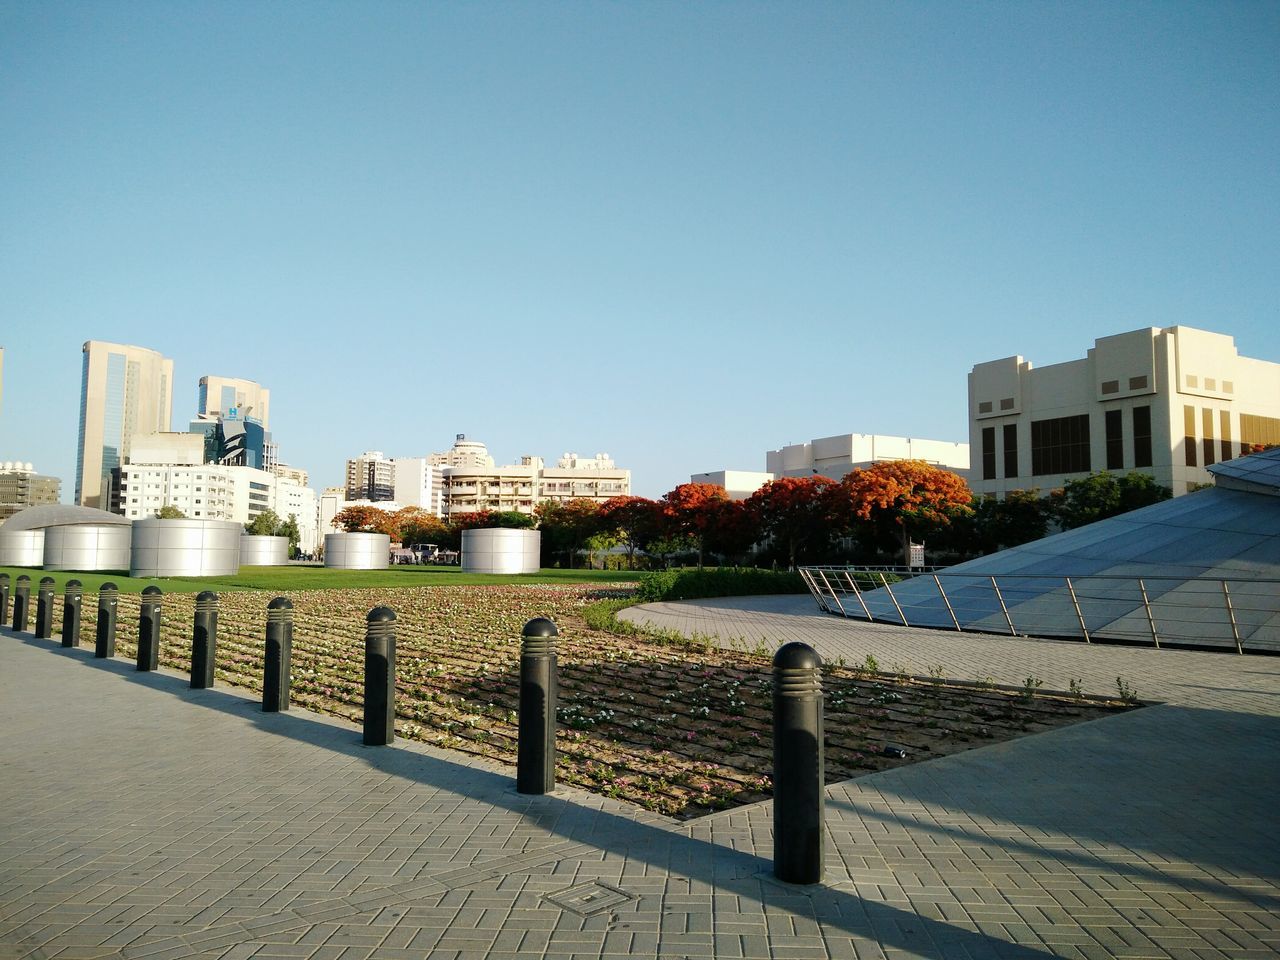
<point x="1006" y="403"/>
<point x="1193" y="382"/>
<point x="988" y="453"/>
<point x="1258" y="431"/>
<point x="1010" y="449"/>
<point x="1137" y="383"/>
<point x="1225" y="434"/>
<point x="984" y="406"/>
<point x="1142" y="436"/>
<point x="1207" y="419"/>
<point x="1189" y="434"/>
<point x="1110" y="386"/>
<point x="1115" y="439"/>
<point x="1060" y="445"/>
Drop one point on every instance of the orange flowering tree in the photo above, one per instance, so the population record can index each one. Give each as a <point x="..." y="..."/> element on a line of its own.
<point x="689" y="513"/>
<point x="902" y="499"/>
<point x="361" y="518"/>
<point x="566" y="525"/>
<point x="799" y="513"/>
<point x="635" y="521"/>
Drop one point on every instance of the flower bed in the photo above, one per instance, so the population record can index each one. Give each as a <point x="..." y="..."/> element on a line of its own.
<point x="672" y="729"/>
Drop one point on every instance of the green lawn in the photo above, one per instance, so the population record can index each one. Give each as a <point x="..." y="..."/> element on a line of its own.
<point x="316" y="578"/>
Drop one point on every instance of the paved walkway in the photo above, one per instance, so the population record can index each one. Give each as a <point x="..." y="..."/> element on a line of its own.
<point x="142" y="819"/>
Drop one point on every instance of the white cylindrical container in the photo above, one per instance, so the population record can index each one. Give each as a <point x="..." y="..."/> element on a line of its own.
<point x="185" y="548"/>
<point x="499" y="550"/>
<point x="357" y="551"/>
<point x="21" y="548"/>
<point x="87" y="547"/>
<point x="261" y="551"/>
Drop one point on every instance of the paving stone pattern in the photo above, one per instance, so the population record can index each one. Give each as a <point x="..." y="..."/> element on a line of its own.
<point x="142" y="819"/>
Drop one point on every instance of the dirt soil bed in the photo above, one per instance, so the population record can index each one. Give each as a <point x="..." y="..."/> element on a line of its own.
<point x="673" y="728"/>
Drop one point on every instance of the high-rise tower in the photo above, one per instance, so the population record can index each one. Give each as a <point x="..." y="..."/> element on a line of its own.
<point x="124" y="391"/>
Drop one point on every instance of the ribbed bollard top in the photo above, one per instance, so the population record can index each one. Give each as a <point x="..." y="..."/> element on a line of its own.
<point x="539" y="636"/>
<point x="73" y="588"/>
<point x="47" y="583"/>
<point x="23" y="579"/>
<point x="797" y="669"/>
<point x="206" y="601"/>
<point x="281" y="608"/>
<point x="152" y="592"/>
<point x="108" y="590"/>
<point x="4" y="579"/>
<point x="381" y="621"/>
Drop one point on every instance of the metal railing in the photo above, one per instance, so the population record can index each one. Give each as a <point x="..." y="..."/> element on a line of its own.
<point x="1233" y="614"/>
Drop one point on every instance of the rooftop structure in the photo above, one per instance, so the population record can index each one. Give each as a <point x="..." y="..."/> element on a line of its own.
<point x="21" y="487"/>
<point x="234" y="400"/>
<point x="1168" y="402"/>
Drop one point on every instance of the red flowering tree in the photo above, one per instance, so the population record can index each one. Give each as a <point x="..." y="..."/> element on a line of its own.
<point x="360" y="518"/>
<point x="902" y="499"/>
<point x="567" y="524"/>
<point x="691" y="511"/>
<point x="800" y="514"/>
<point x="635" y="521"/>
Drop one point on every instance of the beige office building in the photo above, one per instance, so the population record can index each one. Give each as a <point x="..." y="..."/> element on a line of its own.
<point x="235" y="400"/>
<point x="1166" y="402"/>
<point x="125" y="391"/>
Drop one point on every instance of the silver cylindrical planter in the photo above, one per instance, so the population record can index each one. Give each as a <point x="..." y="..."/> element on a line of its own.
<point x="357" y="551"/>
<point x="87" y="547"/>
<point x="22" y="548"/>
<point x="496" y="550"/>
<point x="260" y="551"/>
<point x="185" y="548"/>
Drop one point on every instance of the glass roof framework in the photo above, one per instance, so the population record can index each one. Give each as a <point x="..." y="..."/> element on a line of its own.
<point x="1208" y="564"/>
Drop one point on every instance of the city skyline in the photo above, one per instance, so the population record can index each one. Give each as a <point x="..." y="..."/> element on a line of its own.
<point x="682" y="235"/>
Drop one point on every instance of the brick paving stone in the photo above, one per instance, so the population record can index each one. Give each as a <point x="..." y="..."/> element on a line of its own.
<point x="1147" y="834"/>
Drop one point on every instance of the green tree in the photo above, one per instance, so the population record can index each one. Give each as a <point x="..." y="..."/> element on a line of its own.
<point x="566" y="525"/>
<point x="170" y="512"/>
<point x="265" y="524"/>
<point x="1102" y="495"/>
<point x="289" y="528"/>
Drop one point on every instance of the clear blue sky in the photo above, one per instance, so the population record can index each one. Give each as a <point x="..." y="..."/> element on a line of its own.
<point x="680" y="233"/>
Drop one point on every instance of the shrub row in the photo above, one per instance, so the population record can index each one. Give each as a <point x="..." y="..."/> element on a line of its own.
<point x="720" y="582"/>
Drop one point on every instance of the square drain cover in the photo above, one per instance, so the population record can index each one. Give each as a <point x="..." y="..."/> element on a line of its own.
<point x="588" y="899"/>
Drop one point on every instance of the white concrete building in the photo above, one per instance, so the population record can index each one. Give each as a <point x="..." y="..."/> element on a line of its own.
<point x="738" y="484"/>
<point x="1167" y="402"/>
<point x="834" y="457"/>
<point x="521" y="487"/>
<point x="582" y="478"/>
<point x="465" y="453"/>
<point x="419" y="483"/>
<point x="167" y="470"/>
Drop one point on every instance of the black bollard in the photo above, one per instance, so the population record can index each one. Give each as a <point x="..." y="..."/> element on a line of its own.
<point x="380" y="677"/>
<point x="277" y="669"/>
<point x="44" y="608"/>
<point x="21" y="597"/>
<point x="105" y="638"/>
<point x="798" y="771"/>
<point x="204" y="640"/>
<point x="536" y="746"/>
<point x="149" y="629"/>
<point x="4" y="598"/>
<point x="71" y="614"/>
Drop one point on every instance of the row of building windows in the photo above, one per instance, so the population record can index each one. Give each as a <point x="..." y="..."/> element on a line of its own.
<point x="1061" y="444"/>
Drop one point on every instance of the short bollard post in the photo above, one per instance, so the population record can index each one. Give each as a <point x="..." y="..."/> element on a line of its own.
<point x="536" y="746"/>
<point x="380" y="677"/>
<point x="277" y="669"/>
<point x="798" y="771"/>
<point x="149" y="629"/>
<point x="104" y="644"/>
<point x="4" y="598"/>
<point x="204" y="640"/>
<point x="44" y="608"/>
<point x="71" y="614"/>
<point x="21" y="597"/>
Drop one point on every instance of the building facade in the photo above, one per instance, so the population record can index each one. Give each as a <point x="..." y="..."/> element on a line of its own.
<point x="371" y="476"/>
<point x="22" y="487"/>
<point x="418" y="483"/>
<point x="1167" y="402"/>
<point x="738" y="484"/>
<point x="833" y="457"/>
<point x="124" y="391"/>
<point x="235" y="400"/>
<point x="583" y="478"/>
